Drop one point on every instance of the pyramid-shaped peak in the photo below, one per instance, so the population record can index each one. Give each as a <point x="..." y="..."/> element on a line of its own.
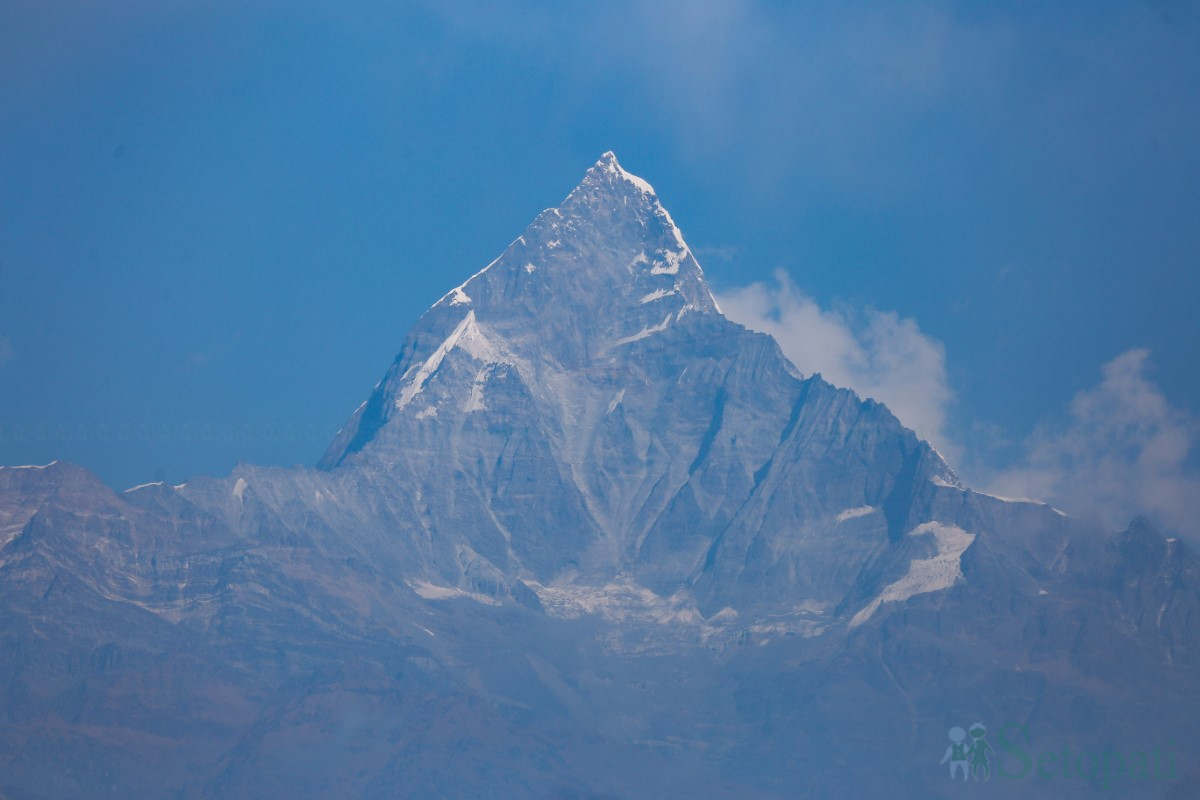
<point x="605" y="274"/>
<point x="610" y="242"/>
<point x="608" y="171"/>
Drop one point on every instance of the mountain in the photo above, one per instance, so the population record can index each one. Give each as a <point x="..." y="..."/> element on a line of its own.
<point x="587" y="538"/>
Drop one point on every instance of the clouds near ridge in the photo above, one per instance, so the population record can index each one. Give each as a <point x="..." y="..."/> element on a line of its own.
<point x="878" y="354"/>
<point x="1124" y="452"/>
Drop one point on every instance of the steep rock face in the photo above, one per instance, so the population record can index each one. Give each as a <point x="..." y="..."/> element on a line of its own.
<point x="606" y="267"/>
<point x="586" y="383"/>
<point x="587" y="538"/>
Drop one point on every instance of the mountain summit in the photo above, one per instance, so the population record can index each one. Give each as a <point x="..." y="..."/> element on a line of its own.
<point x="586" y="538"/>
<point x="599" y="417"/>
<point x="606" y="268"/>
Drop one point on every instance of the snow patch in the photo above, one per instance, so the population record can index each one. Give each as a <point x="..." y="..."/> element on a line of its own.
<point x="427" y="412"/>
<point x="807" y="618"/>
<point x="644" y="332"/>
<point x="671" y="226"/>
<point x="1003" y="499"/>
<point x="431" y="591"/>
<point x="530" y="268"/>
<point x="609" y="163"/>
<point x="640" y="183"/>
<point x="1028" y="500"/>
<point x="669" y="265"/>
<point x="459" y="290"/>
<point x="925" y="575"/>
<point x="657" y="294"/>
<point x="239" y="488"/>
<point x="479" y="346"/>
<point x="855" y="513"/>
<point x="675" y="618"/>
<point x="142" y="486"/>
<point x="616" y="401"/>
<point x="467" y="336"/>
<point x="938" y="480"/>
<point x="618" y="601"/>
<point x="32" y="466"/>
<point x="475" y="401"/>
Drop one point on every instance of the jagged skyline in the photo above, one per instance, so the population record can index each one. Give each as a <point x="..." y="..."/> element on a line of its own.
<point x="588" y="536"/>
<point x="208" y="244"/>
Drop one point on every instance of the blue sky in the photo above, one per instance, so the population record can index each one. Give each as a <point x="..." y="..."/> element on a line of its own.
<point x="218" y="219"/>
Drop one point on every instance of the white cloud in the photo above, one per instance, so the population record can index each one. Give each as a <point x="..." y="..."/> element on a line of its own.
<point x="878" y="354"/>
<point x="1123" y="453"/>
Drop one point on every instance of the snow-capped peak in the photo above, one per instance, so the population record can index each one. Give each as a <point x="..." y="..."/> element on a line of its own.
<point x="608" y="172"/>
<point x="609" y="214"/>
<point x="606" y="270"/>
<point x="608" y="165"/>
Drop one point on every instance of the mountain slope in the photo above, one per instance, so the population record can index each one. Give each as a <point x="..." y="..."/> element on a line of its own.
<point x="585" y="383"/>
<point x="586" y="538"/>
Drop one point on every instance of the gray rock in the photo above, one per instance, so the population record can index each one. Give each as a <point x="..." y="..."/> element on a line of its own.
<point x="586" y="538"/>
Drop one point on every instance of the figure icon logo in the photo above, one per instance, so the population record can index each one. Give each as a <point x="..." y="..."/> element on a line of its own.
<point x="956" y="753"/>
<point x="979" y="753"/>
<point x="969" y="753"/>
